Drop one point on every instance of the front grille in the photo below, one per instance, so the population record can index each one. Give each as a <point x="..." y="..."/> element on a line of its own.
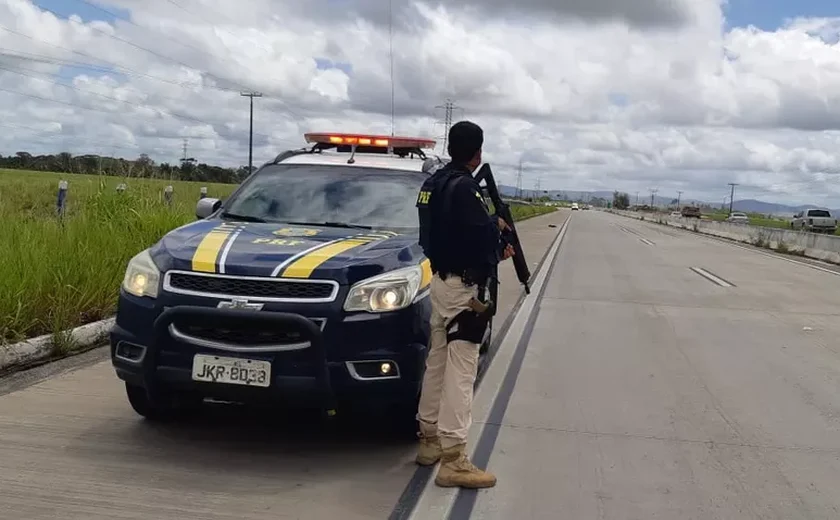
<point x="250" y="287"/>
<point x="242" y="335"/>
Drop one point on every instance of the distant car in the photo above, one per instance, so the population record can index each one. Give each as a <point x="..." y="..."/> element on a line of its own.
<point x="575" y="206"/>
<point x="676" y="214"/>
<point x="738" y="218"/>
<point x="690" y="212"/>
<point x="815" y="221"/>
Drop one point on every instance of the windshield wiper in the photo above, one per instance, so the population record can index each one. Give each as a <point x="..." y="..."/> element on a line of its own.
<point x="331" y="224"/>
<point x="243" y="218"/>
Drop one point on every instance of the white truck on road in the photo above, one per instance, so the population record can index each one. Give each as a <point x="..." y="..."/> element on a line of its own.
<point x="815" y="221"/>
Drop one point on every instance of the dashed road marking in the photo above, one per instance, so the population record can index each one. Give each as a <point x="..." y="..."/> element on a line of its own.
<point x="712" y="277"/>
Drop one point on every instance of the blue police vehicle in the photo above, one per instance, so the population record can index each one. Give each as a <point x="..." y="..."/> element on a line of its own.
<point x="307" y="286"/>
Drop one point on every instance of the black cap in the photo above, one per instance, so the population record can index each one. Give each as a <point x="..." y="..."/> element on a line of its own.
<point x="465" y="139"/>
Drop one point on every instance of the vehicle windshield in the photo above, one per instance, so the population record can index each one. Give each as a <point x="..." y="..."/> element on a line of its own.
<point x="314" y="194"/>
<point x="818" y="213"/>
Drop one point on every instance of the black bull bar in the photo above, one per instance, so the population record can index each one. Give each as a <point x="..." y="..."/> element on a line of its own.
<point x="281" y="320"/>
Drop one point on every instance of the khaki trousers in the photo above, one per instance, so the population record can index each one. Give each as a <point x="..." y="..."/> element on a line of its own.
<point x="447" y="393"/>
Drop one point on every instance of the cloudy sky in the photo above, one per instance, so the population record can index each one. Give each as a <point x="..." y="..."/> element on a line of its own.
<point x="590" y="94"/>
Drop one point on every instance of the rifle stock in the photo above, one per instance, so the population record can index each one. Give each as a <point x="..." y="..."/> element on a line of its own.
<point x="511" y="236"/>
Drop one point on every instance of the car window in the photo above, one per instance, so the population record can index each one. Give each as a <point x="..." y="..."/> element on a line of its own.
<point x="373" y="197"/>
<point x="818" y="213"/>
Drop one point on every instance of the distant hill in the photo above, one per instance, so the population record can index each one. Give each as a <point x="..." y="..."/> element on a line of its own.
<point x="745" y="205"/>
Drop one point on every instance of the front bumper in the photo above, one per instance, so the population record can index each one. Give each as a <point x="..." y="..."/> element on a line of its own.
<point x="321" y="360"/>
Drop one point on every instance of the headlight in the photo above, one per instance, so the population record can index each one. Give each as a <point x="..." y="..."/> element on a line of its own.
<point x="387" y="292"/>
<point x="142" y="276"/>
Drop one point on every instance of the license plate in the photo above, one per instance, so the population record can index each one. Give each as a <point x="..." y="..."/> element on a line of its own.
<point x="232" y="371"/>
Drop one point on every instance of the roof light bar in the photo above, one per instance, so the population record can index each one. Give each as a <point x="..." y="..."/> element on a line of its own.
<point x="382" y="141"/>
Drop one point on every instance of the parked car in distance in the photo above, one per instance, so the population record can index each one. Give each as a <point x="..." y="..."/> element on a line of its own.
<point x="575" y="206"/>
<point x="676" y="214"/>
<point x="815" y="221"/>
<point x="737" y="217"/>
<point x="691" y="212"/>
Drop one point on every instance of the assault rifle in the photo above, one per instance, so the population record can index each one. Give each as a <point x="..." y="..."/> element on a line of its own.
<point x="510" y="235"/>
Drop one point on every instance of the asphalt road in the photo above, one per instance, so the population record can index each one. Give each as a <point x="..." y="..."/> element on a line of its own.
<point x="72" y="448"/>
<point x="671" y="376"/>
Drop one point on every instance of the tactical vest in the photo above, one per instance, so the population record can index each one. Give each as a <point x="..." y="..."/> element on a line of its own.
<point x="433" y="208"/>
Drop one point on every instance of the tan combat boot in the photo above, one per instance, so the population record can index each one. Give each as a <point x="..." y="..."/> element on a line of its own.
<point x="456" y="470"/>
<point x="429" y="451"/>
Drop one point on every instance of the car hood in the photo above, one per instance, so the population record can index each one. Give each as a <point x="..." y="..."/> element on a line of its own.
<point x="279" y="250"/>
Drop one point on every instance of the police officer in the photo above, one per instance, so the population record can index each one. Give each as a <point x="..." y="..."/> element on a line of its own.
<point x="464" y="244"/>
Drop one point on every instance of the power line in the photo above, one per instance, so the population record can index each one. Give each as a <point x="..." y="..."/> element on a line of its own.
<point x="160" y="111"/>
<point x="154" y="53"/>
<point x="118" y="68"/>
<point x="132" y="22"/>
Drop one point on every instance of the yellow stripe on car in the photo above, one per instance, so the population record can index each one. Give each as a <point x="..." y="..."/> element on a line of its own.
<point x="304" y="266"/>
<point x="204" y="258"/>
<point x="426" y="265"/>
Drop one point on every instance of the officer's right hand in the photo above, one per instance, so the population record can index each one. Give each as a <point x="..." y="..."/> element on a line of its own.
<point x="508" y="252"/>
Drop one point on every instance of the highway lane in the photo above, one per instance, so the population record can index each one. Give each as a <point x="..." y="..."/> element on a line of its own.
<point x="650" y="391"/>
<point x="72" y="448"/>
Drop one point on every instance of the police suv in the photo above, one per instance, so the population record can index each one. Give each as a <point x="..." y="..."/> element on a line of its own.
<point x="307" y="286"/>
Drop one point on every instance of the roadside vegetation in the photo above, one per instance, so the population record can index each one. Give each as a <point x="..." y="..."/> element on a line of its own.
<point x="61" y="272"/>
<point x="57" y="273"/>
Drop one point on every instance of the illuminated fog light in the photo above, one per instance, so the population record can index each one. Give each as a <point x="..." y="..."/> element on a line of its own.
<point x="385" y="369"/>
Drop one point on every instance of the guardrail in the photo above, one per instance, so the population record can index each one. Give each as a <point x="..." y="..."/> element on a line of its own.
<point x="803" y="243"/>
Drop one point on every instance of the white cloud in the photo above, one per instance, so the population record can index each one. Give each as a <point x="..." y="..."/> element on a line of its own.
<point x="591" y="95"/>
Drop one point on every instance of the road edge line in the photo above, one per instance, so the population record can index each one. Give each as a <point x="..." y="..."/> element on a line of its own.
<point x="435" y="502"/>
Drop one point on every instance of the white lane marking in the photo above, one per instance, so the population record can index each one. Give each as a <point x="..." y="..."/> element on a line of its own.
<point x="436" y="502"/>
<point x="646" y="241"/>
<point x="711" y="277"/>
<point x="302" y="253"/>
<point x="732" y="243"/>
<point x="226" y="250"/>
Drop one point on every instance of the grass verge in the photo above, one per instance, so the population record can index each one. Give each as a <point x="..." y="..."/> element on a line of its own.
<point x="59" y="273"/>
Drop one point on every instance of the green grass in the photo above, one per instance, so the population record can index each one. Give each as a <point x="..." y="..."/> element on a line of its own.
<point x="61" y="273"/>
<point x="56" y="274"/>
<point x="522" y="212"/>
<point x="757" y="219"/>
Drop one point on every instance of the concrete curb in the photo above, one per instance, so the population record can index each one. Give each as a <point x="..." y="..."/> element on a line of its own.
<point x="40" y="349"/>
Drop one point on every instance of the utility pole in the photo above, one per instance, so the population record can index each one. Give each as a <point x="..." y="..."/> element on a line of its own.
<point x="251" y="95"/>
<point x="652" y="195"/>
<point x="731" y="196"/>
<point x="637" y="198"/>
<point x="448" y="107"/>
<point x="184" y="157"/>
<point x="679" y="197"/>
<point x="519" y="181"/>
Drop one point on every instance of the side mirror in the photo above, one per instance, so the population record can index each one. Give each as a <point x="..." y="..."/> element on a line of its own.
<point x="206" y="207"/>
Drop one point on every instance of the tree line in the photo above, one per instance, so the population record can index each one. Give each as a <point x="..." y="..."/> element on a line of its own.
<point x="187" y="169"/>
